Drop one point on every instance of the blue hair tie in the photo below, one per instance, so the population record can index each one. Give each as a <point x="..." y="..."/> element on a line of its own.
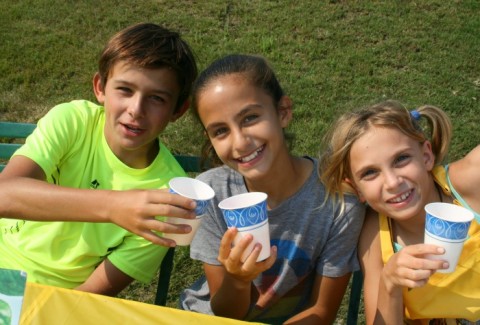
<point x="415" y="115"/>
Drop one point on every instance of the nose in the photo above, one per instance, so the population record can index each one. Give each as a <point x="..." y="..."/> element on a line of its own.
<point x="135" y="107"/>
<point x="392" y="179"/>
<point x="241" y="140"/>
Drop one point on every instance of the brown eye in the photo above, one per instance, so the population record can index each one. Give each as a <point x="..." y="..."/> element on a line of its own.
<point x="220" y="131"/>
<point x="250" y="118"/>
<point x="369" y="174"/>
<point x="402" y="159"/>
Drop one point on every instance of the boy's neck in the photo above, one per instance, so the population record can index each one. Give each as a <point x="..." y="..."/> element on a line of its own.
<point x="141" y="159"/>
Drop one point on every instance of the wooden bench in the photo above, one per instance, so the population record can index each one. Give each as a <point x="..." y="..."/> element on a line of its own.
<point x="12" y="131"/>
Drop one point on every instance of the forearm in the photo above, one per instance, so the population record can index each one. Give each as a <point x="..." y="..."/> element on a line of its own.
<point x="232" y="299"/>
<point x="312" y="315"/>
<point x="389" y="304"/>
<point x="106" y="280"/>
<point x="30" y="199"/>
<point x="326" y="297"/>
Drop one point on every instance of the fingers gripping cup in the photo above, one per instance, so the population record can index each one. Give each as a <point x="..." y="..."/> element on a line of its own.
<point x="196" y="190"/>
<point x="193" y="189"/>
<point x="248" y="213"/>
<point x="446" y="225"/>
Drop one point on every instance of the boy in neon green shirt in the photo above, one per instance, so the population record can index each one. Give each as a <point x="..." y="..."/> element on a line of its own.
<point x="103" y="167"/>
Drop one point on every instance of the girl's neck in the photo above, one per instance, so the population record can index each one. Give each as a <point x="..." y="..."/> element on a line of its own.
<point x="284" y="182"/>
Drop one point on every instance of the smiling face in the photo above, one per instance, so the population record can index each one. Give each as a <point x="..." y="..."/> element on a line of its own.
<point x="244" y="125"/>
<point x="139" y="104"/>
<point x="391" y="172"/>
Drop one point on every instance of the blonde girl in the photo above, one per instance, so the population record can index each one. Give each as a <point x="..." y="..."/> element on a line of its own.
<point x="393" y="162"/>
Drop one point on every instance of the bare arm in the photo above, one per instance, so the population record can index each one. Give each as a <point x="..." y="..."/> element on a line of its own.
<point x="383" y="285"/>
<point x="24" y="194"/>
<point x="229" y="298"/>
<point x="106" y="280"/>
<point x="326" y="298"/>
<point x="371" y="262"/>
<point x="231" y="284"/>
<point x="465" y="177"/>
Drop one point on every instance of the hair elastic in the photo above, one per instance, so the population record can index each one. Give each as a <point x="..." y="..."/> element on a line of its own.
<point x="415" y="115"/>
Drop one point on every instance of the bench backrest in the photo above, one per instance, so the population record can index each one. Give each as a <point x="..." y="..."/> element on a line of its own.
<point x="12" y="131"/>
<point x="19" y="131"/>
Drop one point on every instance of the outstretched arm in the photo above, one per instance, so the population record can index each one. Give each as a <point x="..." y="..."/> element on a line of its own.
<point x="231" y="284"/>
<point x="465" y="177"/>
<point x="326" y="298"/>
<point x="370" y="257"/>
<point x="24" y="194"/>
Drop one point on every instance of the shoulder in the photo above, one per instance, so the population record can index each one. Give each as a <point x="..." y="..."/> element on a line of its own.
<point x="76" y="107"/>
<point x="471" y="160"/>
<point x="220" y="175"/>
<point x="465" y="177"/>
<point x="76" y="113"/>
<point x="167" y="162"/>
<point x="351" y="200"/>
<point x="370" y="230"/>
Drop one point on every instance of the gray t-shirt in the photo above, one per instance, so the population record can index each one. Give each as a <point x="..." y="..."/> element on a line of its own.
<point x="312" y="239"/>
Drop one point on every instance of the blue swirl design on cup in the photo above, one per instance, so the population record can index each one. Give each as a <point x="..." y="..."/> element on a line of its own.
<point x="201" y="207"/>
<point x="246" y="217"/>
<point x="201" y="204"/>
<point x="446" y="229"/>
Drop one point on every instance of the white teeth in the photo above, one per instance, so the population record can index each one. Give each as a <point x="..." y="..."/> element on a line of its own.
<point x="401" y="198"/>
<point x="250" y="157"/>
<point x="135" y="130"/>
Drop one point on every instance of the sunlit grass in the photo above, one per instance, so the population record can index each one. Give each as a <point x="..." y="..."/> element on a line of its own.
<point x="330" y="56"/>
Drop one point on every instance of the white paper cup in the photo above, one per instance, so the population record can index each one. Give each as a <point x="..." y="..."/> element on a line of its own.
<point x="183" y="239"/>
<point x="193" y="189"/>
<point x="446" y="225"/>
<point x="248" y="213"/>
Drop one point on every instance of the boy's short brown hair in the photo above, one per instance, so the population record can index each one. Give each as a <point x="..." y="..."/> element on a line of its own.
<point x="150" y="46"/>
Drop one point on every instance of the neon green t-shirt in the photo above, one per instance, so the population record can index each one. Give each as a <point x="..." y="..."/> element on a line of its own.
<point x="70" y="146"/>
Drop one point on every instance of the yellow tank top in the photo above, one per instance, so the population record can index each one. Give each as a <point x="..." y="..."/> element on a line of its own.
<point x="446" y="295"/>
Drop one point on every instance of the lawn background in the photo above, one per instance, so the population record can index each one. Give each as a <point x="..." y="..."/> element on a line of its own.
<point x="331" y="56"/>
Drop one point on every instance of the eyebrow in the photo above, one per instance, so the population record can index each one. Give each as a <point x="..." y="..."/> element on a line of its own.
<point x="155" y="91"/>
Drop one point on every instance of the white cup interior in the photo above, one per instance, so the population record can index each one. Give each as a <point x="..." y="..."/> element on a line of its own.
<point x="449" y="212"/>
<point x="241" y="201"/>
<point x="191" y="188"/>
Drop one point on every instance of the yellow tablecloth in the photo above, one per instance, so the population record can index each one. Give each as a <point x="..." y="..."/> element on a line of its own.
<point x="46" y="305"/>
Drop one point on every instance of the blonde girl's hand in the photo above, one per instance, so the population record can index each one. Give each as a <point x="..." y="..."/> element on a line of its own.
<point x="137" y="212"/>
<point x="231" y="257"/>
<point x="411" y="268"/>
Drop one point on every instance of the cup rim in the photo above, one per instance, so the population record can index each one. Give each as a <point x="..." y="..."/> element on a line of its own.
<point x="257" y="197"/>
<point x="207" y="192"/>
<point x="456" y="213"/>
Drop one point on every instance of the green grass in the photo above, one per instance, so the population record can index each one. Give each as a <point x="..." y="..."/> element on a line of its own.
<point x="331" y="56"/>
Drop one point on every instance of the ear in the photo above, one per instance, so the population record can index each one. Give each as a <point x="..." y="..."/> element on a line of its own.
<point x="428" y="156"/>
<point x="98" y="88"/>
<point x="180" y="111"/>
<point x="285" y="111"/>
<point x="349" y="186"/>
